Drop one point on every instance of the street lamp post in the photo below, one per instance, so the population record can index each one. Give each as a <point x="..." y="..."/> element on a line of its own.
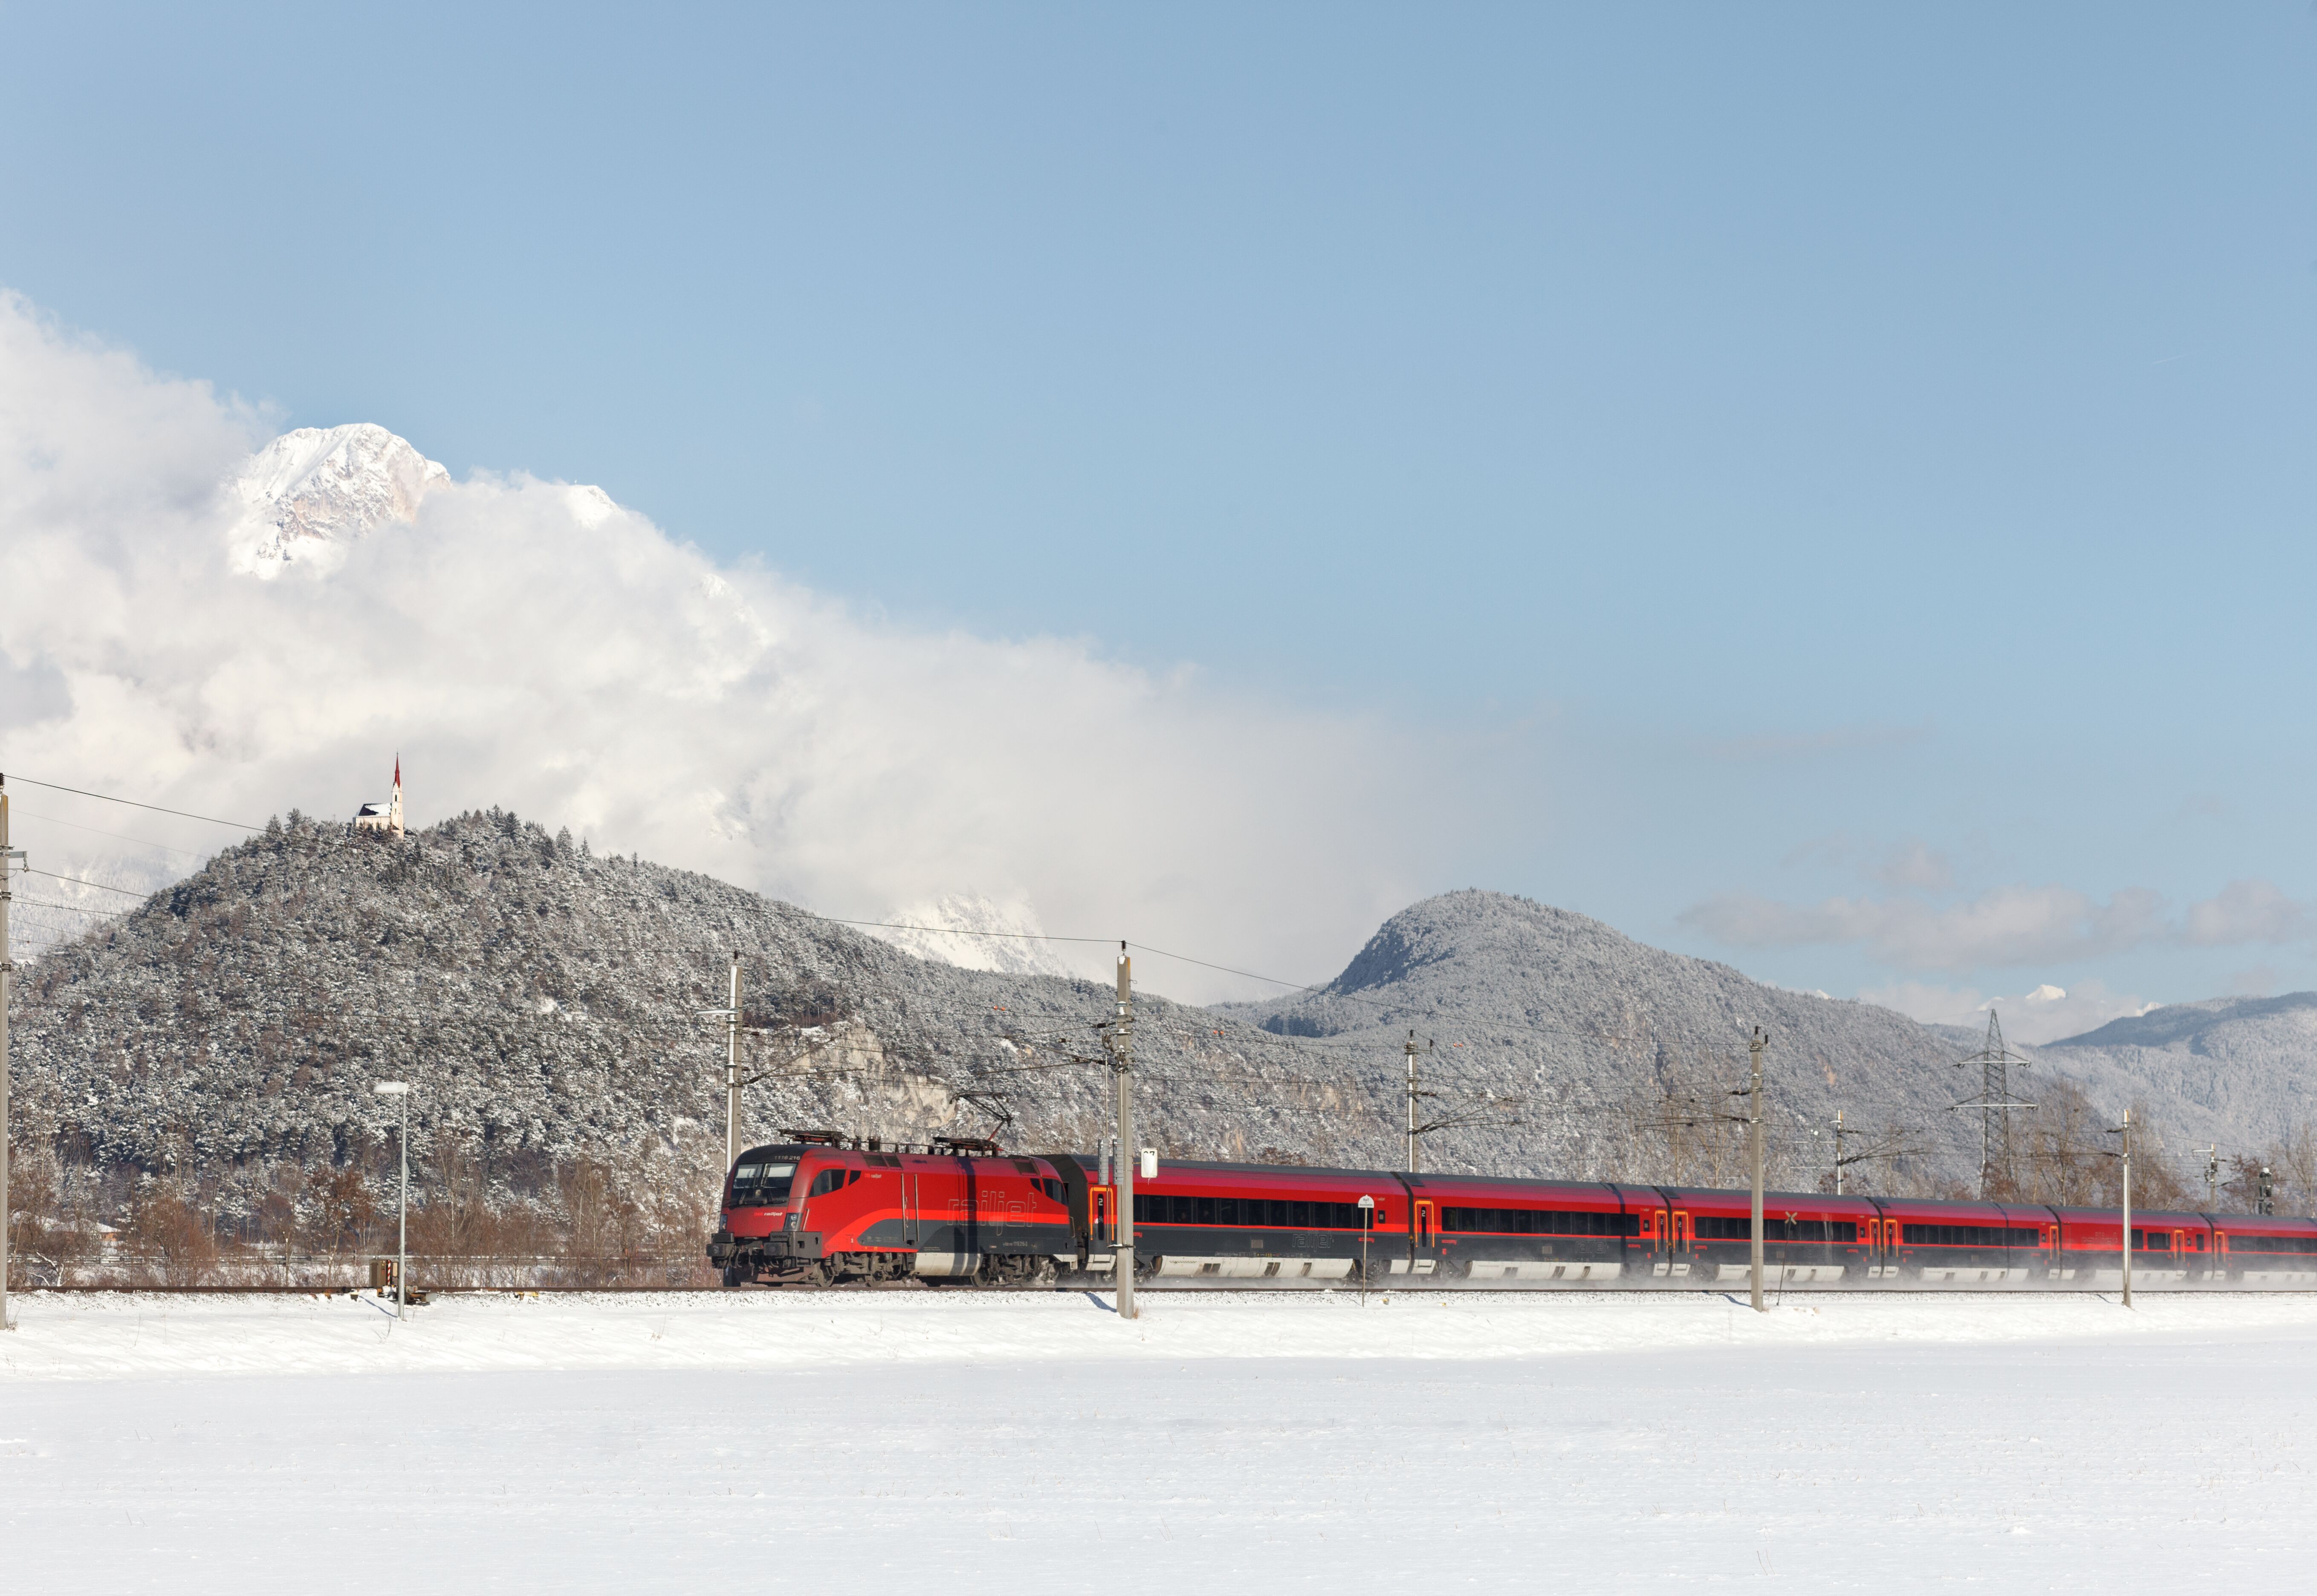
<point x="1367" y="1224"/>
<point x="401" y="1089"/>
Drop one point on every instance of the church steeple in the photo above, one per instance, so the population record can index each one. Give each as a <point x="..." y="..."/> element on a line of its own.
<point x="388" y="819"/>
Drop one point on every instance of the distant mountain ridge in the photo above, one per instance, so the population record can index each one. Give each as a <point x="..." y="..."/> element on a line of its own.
<point x="2196" y="1024"/>
<point x="2236" y="1071"/>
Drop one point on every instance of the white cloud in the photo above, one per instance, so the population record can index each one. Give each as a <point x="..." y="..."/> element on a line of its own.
<point x="2003" y="928"/>
<point x="2246" y="912"/>
<point x="529" y="645"/>
<point x="1914" y="864"/>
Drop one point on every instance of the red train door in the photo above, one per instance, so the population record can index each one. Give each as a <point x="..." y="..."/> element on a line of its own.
<point x="1655" y="1235"/>
<point x="1427" y="1228"/>
<point x="1685" y="1234"/>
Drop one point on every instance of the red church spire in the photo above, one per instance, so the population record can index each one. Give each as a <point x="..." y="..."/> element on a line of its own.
<point x="398" y="769"/>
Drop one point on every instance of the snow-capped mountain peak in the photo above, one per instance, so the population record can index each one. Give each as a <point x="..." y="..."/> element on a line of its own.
<point x="309" y="492"/>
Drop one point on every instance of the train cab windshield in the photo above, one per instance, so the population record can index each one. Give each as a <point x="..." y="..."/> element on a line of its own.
<point x="762" y="1185"/>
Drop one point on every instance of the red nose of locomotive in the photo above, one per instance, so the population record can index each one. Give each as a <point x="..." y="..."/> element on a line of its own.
<point x="758" y="1210"/>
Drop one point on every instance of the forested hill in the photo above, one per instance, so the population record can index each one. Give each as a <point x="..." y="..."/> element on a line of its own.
<point x="1595" y="1030"/>
<point x="544" y="1003"/>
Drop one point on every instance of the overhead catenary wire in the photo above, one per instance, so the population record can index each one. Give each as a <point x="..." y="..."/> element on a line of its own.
<point x="122" y="837"/>
<point x="136" y="804"/>
<point x="76" y="908"/>
<point x="885" y="925"/>
<point x="77" y="881"/>
<point x="1036" y="936"/>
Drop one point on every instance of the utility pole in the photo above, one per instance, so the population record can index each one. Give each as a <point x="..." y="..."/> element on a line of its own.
<point x="732" y="1070"/>
<point x="1367" y="1228"/>
<point x="7" y="981"/>
<point x="1994" y="1104"/>
<point x="1411" y="1103"/>
<point x="1838" y="1152"/>
<point x="1754" y="1046"/>
<point x="730" y="1015"/>
<point x="400" y="1091"/>
<point x="2124" y="1130"/>
<point x="2212" y="1176"/>
<point x="1121" y="1039"/>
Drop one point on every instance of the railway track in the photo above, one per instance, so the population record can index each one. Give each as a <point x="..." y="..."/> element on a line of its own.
<point x="1792" y="1294"/>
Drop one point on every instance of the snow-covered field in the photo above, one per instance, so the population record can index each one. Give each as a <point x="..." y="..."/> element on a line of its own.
<point x="850" y="1441"/>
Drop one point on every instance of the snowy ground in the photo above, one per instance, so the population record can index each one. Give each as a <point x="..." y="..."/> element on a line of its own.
<point x="846" y="1442"/>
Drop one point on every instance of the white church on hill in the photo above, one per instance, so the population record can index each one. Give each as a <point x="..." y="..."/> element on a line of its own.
<point x="385" y="817"/>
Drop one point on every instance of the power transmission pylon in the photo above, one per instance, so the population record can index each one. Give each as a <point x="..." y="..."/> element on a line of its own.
<point x="1994" y="1105"/>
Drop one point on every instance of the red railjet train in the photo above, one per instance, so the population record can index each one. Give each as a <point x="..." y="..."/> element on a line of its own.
<point x="817" y="1212"/>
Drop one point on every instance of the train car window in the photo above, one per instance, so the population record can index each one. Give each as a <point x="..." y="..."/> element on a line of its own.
<point x="1549" y="1222"/>
<point x="1974" y="1236"/>
<point x="1777" y="1227"/>
<point x="2273" y="1243"/>
<point x="1206" y="1210"/>
<point x="766" y="1185"/>
<point x="1226" y="1210"/>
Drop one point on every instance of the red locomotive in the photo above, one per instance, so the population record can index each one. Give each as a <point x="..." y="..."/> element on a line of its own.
<point x="820" y="1211"/>
<point x="811" y="1212"/>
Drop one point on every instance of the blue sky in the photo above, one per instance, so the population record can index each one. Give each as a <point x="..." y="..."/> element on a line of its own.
<point x="1781" y="456"/>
